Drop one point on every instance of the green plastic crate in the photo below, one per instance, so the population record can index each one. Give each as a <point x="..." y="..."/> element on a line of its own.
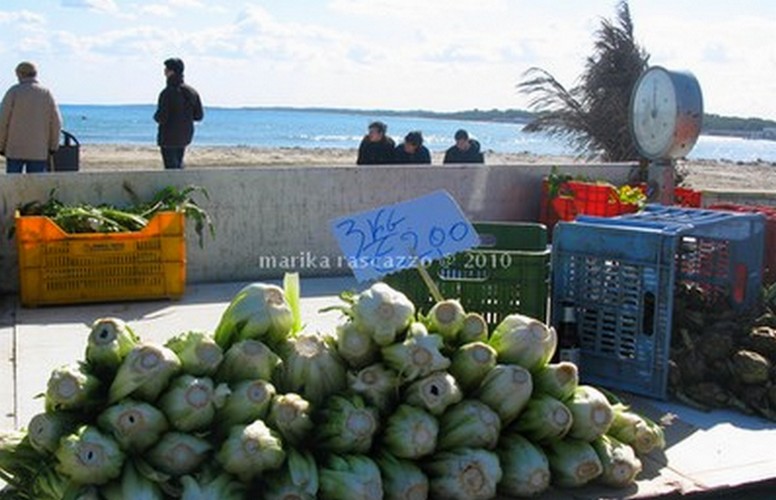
<point x="508" y="273"/>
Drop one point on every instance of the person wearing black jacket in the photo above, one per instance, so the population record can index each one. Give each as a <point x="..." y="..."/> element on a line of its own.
<point x="178" y="108"/>
<point x="412" y="151"/>
<point x="465" y="150"/>
<point x="376" y="148"/>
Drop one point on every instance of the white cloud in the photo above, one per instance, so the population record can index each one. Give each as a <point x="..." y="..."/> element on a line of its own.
<point x="22" y="18"/>
<point x="158" y="10"/>
<point x="98" y="5"/>
<point x="186" y="3"/>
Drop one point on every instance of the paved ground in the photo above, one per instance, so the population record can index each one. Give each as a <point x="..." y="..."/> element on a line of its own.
<point x="707" y="453"/>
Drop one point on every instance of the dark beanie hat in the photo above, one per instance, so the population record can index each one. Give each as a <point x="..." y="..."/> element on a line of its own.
<point x="174" y="64"/>
<point x="461" y="134"/>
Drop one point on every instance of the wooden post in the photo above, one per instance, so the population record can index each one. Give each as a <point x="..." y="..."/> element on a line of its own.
<point x="660" y="179"/>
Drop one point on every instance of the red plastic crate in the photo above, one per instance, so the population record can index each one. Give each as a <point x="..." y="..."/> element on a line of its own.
<point x="598" y="199"/>
<point x="769" y="257"/>
<point x="687" y="197"/>
<point x="580" y="198"/>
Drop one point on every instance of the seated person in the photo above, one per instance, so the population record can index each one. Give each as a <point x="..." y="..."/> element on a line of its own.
<point x="376" y="148"/>
<point x="412" y="151"/>
<point x="465" y="150"/>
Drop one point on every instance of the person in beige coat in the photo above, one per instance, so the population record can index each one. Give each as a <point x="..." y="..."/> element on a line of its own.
<point x="30" y="123"/>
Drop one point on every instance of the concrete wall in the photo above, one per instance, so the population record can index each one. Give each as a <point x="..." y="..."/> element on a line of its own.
<point x="713" y="197"/>
<point x="275" y="213"/>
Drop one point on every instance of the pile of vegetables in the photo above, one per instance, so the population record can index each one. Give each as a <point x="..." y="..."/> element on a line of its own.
<point x="104" y="218"/>
<point x="721" y="358"/>
<point x="390" y="405"/>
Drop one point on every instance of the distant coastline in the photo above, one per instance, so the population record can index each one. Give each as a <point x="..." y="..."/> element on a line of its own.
<point x="713" y="124"/>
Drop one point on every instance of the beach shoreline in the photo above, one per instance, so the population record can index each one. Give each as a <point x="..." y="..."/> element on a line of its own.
<point x="698" y="174"/>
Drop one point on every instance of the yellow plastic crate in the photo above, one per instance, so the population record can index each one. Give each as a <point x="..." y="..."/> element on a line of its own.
<point x="56" y="267"/>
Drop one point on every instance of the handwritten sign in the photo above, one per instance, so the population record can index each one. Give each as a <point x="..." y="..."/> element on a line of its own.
<point x="394" y="237"/>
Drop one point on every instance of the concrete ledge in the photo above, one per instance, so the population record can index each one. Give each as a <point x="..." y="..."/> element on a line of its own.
<point x="283" y="212"/>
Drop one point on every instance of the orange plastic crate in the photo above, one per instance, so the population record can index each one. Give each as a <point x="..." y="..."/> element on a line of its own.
<point x="56" y="267"/>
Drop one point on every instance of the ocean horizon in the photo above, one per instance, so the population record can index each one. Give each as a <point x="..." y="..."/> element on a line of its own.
<point x="310" y="128"/>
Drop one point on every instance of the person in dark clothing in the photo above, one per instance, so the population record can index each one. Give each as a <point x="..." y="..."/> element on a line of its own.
<point x="465" y="150"/>
<point x="413" y="151"/>
<point x="376" y="148"/>
<point x="178" y="108"/>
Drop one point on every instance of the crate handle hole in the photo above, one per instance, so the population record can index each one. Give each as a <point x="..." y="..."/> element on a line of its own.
<point x="488" y="240"/>
<point x="739" y="287"/>
<point x="648" y="316"/>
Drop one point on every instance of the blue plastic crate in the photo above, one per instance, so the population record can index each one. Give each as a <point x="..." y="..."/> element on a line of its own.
<point x="621" y="274"/>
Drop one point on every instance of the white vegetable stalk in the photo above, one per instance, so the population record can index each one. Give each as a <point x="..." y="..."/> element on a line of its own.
<point x="134" y="425"/>
<point x="544" y="419"/>
<point x="221" y="487"/>
<point x="249" y="400"/>
<point x="402" y="479"/>
<point x="250" y="450"/>
<point x="474" y="329"/>
<point x="558" y="380"/>
<point x="525" y="467"/>
<point x="199" y="354"/>
<point x="416" y="357"/>
<point x="355" y="346"/>
<point x="592" y="413"/>
<point x="312" y="368"/>
<point x="447" y="318"/>
<point x="506" y="389"/>
<point x="290" y="415"/>
<point x="410" y="433"/>
<point x="178" y="454"/>
<point x="524" y="341"/>
<point x="297" y="480"/>
<point x="620" y="465"/>
<point x="641" y="433"/>
<point x="352" y="477"/>
<point x="292" y="290"/>
<point x="378" y="385"/>
<point x="89" y="457"/>
<point x="110" y="340"/>
<point x="573" y="463"/>
<point x="248" y="360"/>
<point x="469" y="424"/>
<point x="190" y="403"/>
<point x="133" y="485"/>
<point x="417" y="329"/>
<point x="464" y="474"/>
<point x="382" y="312"/>
<point x="72" y="387"/>
<point x="46" y="429"/>
<point x="346" y="425"/>
<point x="433" y="393"/>
<point x="259" y="311"/>
<point x="470" y="363"/>
<point x="144" y="373"/>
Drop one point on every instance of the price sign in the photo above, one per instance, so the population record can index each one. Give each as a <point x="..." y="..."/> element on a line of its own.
<point x="395" y="237"/>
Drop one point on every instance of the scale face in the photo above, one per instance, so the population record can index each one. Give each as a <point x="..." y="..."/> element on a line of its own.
<point x="666" y="113"/>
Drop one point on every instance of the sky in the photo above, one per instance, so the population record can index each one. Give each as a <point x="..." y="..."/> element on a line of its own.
<point x="441" y="55"/>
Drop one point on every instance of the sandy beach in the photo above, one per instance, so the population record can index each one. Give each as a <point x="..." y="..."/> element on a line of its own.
<point x="704" y="174"/>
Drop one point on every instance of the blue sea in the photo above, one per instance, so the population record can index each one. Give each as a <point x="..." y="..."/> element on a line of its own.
<point x="264" y="127"/>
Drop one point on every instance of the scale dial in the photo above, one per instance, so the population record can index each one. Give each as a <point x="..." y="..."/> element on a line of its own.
<point x="666" y="112"/>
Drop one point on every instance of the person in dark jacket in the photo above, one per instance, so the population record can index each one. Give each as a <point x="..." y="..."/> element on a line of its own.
<point x="178" y="108"/>
<point x="412" y="151"/>
<point x="465" y="150"/>
<point x="376" y="148"/>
